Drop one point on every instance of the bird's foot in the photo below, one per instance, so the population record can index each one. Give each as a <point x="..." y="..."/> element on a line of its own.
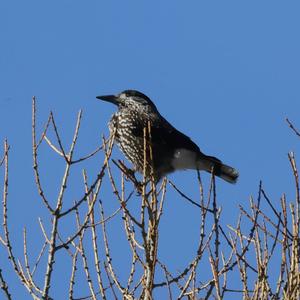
<point x="130" y="175"/>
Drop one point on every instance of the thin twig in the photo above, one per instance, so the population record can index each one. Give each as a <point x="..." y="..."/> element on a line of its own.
<point x="292" y="127"/>
<point x="35" y="158"/>
<point x="4" y="287"/>
<point x="188" y="198"/>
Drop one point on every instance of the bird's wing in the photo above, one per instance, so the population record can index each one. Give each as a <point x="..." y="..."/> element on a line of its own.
<point x="164" y="134"/>
<point x="165" y="137"/>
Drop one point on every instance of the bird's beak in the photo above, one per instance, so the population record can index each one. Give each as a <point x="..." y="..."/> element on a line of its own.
<point x="110" y="98"/>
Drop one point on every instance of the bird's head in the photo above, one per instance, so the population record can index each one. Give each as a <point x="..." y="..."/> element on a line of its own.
<point x="130" y="99"/>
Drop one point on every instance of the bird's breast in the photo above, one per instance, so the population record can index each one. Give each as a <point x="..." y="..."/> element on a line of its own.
<point x="128" y="135"/>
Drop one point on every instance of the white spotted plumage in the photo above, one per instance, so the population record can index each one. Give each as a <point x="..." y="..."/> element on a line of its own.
<point x="172" y="150"/>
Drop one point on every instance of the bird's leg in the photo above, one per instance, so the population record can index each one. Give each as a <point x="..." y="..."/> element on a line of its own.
<point x="130" y="175"/>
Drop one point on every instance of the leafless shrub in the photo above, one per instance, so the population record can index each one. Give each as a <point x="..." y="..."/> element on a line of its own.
<point x="260" y="237"/>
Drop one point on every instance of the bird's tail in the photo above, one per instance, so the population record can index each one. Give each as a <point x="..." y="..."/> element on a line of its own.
<point x="209" y="163"/>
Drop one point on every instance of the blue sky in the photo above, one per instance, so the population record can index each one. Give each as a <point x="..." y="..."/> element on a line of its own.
<point x="226" y="73"/>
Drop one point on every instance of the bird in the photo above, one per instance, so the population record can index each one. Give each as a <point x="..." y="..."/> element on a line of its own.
<point x="171" y="150"/>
